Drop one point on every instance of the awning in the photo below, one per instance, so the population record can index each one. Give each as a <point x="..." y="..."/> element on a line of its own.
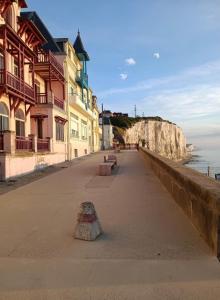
<point x="39" y="116"/>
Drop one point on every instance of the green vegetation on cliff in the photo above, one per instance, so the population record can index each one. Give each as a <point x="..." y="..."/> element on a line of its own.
<point x="127" y="122"/>
<point x="121" y="123"/>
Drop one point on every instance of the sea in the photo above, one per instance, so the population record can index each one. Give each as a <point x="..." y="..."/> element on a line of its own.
<point x="206" y="154"/>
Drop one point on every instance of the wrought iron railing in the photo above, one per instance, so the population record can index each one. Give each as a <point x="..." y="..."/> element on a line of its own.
<point x="82" y="78"/>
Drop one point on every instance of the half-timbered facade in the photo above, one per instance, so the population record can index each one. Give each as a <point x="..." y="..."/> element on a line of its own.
<point x="32" y="95"/>
<point x="47" y="111"/>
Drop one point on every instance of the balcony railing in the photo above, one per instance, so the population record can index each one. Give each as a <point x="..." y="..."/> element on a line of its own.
<point x="43" y="145"/>
<point x="59" y="103"/>
<point x="16" y="84"/>
<point x="49" y="58"/>
<point x="24" y="143"/>
<point x="82" y="78"/>
<point x="41" y="98"/>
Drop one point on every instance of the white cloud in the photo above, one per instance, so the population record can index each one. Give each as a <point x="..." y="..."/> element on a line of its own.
<point x="184" y="104"/>
<point x="202" y="73"/>
<point x="124" y="76"/>
<point x="190" y="98"/>
<point x="156" y="55"/>
<point x="130" y="61"/>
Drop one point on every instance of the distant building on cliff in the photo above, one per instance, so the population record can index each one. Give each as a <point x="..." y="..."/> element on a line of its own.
<point x="119" y="114"/>
<point x="106" y="114"/>
<point x="108" y="135"/>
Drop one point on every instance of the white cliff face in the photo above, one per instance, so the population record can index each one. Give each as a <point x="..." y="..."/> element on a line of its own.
<point x="163" y="138"/>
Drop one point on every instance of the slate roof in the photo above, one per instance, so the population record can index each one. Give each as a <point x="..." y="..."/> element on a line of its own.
<point x="51" y="43"/>
<point x="79" y="48"/>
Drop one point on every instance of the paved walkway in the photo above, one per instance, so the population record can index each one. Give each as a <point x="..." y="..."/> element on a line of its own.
<point x="149" y="249"/>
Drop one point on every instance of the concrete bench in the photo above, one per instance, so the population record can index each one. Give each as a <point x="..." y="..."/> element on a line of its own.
<point x="105" y="169"/>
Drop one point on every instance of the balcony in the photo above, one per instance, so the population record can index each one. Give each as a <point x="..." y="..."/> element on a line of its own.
<point x="44" y="98"/>
<point x="59" y="103"/>
<point x="24" y="143"/>
<point x="82" y="79"/>
<point x="16" y="86"/>
<point x="75" y="100"/>
<point x="48" y="66"/>
<point x="43" y="145"/>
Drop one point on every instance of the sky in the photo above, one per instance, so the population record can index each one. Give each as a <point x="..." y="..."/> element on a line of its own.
<point x="161" y="55"/>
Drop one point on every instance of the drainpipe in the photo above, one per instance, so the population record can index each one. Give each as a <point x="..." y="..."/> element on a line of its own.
<point x="103" y="145"/>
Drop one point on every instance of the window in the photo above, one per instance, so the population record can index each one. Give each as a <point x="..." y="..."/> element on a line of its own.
<point x="74" y="123"/>
<point x="15" y="66"/>
<point x="20" y="123"/>
<point x="40" y="128"/>
<point x="59" y="131"/>
<point x="71" y="91"/>
<point x="83" y="130"/>
<point x="4" y="120"/>
<point x="37" y="90"/>
<point x="1" y="61"/>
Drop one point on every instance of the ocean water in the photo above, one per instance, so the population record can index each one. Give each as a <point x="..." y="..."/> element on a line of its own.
<point x="206" y="154"/>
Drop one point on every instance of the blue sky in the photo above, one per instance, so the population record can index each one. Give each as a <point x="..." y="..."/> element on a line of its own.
<point x="162" y="55"/>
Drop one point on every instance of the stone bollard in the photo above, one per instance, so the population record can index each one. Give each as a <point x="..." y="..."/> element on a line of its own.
<point x="88" y="227"/>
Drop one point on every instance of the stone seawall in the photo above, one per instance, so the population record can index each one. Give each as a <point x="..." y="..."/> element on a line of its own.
<point x="199" y="196"/>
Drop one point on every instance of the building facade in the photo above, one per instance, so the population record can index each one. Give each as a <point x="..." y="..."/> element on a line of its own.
<point x="46" y="110"/>
<point x="82" y="113"/>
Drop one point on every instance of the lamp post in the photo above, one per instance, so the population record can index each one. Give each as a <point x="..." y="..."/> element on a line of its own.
<point x="103" y="146"/>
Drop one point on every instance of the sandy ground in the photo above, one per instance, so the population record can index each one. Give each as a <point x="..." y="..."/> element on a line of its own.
<point x="149" y="249"/>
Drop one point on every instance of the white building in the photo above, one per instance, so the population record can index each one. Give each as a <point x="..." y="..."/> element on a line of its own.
<point x="108" y="135"/>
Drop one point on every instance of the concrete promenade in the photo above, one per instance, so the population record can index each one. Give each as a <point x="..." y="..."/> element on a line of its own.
<point x="149" y="249"/>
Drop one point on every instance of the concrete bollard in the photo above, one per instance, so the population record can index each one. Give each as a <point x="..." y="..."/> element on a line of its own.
<point x="88" y="227"/>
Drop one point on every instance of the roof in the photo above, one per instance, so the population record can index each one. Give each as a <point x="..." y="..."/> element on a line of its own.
<point x="51" y="43"/>
<point x="79" y="48"/>
<point x="61" y="43"/>
<point x="23" y="4"/>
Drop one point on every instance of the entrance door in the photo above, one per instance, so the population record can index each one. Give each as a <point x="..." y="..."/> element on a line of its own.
<point x="40" y="128"/>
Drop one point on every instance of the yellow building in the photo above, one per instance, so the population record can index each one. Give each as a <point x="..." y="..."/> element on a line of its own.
<point x="82" y="114"/>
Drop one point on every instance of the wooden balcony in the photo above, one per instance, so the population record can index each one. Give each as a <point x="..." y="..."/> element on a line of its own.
<point x="24" y="144"/>
<point x="43" y="145"/>
<point x="48" y="67"/>
<point x="16" y="86"/>
<point x="43" y="98"/>
<point x="59" y="103"/>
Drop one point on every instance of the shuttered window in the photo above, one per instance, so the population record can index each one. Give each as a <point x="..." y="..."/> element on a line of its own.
<point x="4" y="119"/>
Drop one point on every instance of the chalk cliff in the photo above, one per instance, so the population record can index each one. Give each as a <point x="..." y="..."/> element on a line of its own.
<point x="162" y="137"/>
